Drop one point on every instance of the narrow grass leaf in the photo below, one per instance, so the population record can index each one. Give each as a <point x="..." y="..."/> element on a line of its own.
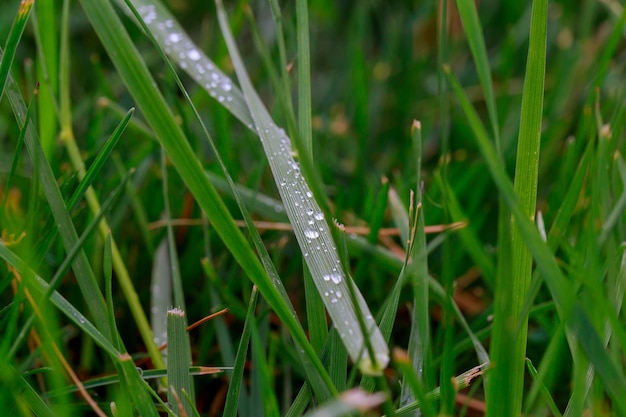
<point x="94" y="169"/>
<point x="311" y="230"/>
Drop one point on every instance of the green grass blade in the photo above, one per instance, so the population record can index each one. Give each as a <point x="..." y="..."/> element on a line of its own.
<point x="179" y="360"/>
<point x="310" y="228"/>
<point x="508" y="347"/>
<point x="304" y="79"/>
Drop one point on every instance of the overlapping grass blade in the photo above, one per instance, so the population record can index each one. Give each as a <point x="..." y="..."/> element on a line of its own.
<point x="311" y="230"/>
<point x="139" y="81"/>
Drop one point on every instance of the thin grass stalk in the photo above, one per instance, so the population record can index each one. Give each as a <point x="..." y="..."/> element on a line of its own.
<point x="508" y="349"/>
<point x="84" y="274"/>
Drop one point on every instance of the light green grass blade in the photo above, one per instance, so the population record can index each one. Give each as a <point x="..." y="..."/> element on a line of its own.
<point x="509" y="333"/>
<point x="311" y="230"/>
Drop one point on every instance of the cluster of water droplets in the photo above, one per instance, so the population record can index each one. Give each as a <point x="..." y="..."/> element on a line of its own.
<point x="181" y="49"/>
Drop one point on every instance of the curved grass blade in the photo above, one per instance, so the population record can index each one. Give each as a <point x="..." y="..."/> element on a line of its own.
<point x="312" y="232"/>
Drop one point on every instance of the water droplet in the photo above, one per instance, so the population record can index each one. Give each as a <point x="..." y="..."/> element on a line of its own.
<point x="193" y="54"/>
<point x="338" y="293"/>
<point x="309" y="194"/>
<point x="319" y="216"/>
<point x="174" y="37"/>
<point x="311" y="234"/>
<point x="334" y="277"/>
<point x="333" y="300"/>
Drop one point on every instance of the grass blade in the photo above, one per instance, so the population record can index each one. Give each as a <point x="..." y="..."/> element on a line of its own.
<point x="508" y="347"/>
<point x="179" y="360"/>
